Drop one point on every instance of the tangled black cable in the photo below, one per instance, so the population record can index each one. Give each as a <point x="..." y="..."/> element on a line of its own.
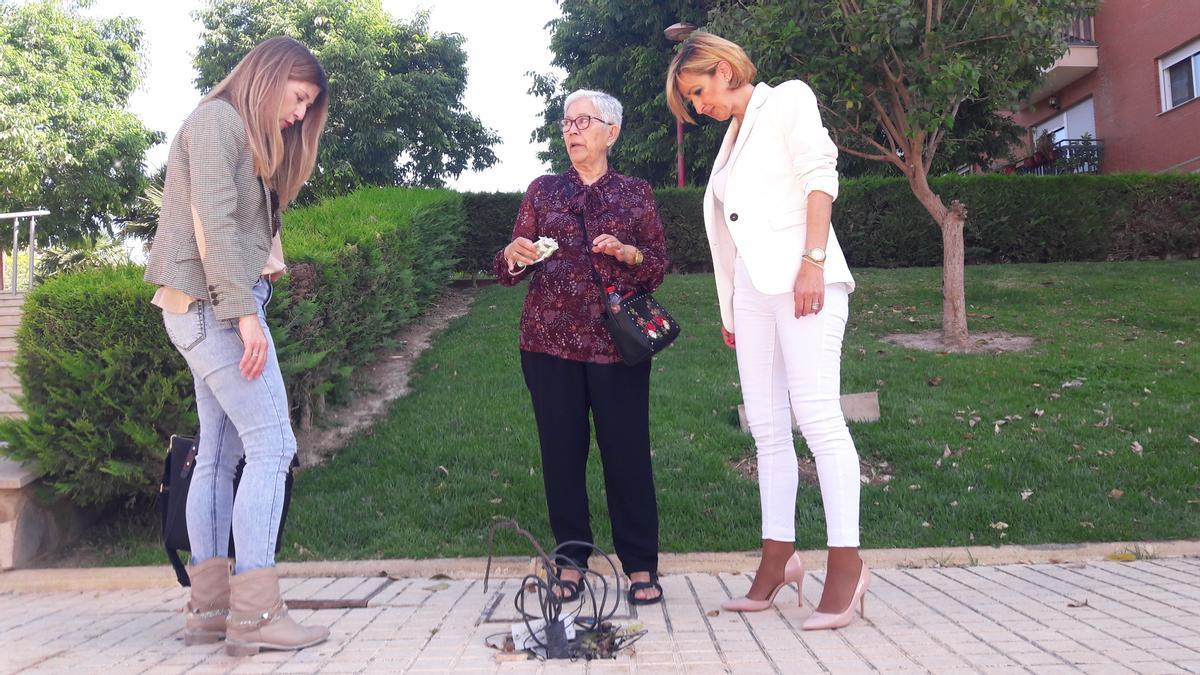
<point x="594" y="636"/>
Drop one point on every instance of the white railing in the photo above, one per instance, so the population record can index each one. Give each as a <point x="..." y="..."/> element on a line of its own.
<point x="16" y="218"/>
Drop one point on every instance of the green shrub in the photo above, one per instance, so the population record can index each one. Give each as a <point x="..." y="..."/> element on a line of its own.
<point x="880" y="223"/>
<point x="490" y="219"/>
<point x="104" y="388"/>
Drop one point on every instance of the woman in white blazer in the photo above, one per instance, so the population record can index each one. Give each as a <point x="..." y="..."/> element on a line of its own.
<point x="783" y="287"/>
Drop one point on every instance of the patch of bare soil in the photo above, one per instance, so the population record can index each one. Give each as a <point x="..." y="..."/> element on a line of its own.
<point x="382" y="381"/>
<point x="871" y="470"/>
<point x="996" y="342"/>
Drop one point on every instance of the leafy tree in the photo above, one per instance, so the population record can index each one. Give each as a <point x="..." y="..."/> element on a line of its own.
<point x="67" y="143"/>
<point x="396" y="115"/>
<point x="618" y="46"/>
<point x="893" y="77"/>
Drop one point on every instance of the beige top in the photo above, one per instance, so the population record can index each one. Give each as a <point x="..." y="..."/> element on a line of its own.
<point x="178" y="302"/>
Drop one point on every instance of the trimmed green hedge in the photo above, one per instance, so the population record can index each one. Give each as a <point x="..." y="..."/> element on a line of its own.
<point x="104" y="388"/>
<point x="880" y="224"/>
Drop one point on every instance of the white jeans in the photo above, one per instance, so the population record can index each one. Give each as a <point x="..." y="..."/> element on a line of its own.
<point x="781" y="357"/>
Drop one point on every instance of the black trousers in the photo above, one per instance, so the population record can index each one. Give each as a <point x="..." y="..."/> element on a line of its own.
<point x="618" y="397"/>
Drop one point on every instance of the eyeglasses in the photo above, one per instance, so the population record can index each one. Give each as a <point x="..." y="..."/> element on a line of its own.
<point x="582" y="122"/>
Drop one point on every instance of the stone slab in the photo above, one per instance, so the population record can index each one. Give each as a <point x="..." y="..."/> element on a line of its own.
<point x="14" y="475"/>
<point x="861" y="407"/>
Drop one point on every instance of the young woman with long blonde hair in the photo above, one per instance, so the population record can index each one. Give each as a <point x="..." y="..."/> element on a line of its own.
<point x="237" y="161"/>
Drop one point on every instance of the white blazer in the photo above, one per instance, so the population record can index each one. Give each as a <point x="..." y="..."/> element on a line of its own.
<point x="782" y="154"/>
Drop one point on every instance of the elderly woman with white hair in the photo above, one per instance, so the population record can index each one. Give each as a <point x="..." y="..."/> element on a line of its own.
<point x="609" y="238"/>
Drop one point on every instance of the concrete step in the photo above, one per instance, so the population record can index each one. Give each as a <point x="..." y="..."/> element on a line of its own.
<point x="8" y="380"/>
<point x="10" y="319"/>
<point x="8" y="405"/>
<point x="10" y="300"/>
<point x="9" y="310"/>
<point x="8" y="331"/>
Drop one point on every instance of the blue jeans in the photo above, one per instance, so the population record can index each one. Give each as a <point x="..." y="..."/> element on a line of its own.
<point x="237" y="416"/>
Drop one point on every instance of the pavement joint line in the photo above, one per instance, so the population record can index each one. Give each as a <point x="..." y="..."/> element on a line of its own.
<point x="1093" y="607"/>
<point x="750" y="628"/>
<point x="712" y="635"/>
<point x="942" y="614"/>
<point x="1166" y="619"/>
<point x="1121" y="572"/>
<point x="796" y="634"/>
<point x="1031" y="640"/>
<point x="898" y="647"/>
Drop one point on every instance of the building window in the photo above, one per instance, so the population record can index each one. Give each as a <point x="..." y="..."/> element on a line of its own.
<point x="1180" y="75"/>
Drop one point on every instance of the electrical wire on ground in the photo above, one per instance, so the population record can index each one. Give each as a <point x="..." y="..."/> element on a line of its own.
<point x="595" y="636"/>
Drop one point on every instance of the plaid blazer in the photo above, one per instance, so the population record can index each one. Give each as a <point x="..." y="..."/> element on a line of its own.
<point x="211" y="182"/>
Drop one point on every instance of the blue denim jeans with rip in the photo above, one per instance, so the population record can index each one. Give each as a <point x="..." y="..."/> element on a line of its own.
<point x="237" y="417"/>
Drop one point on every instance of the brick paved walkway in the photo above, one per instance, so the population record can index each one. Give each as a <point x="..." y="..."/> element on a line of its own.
<point x="1101" y="617"/>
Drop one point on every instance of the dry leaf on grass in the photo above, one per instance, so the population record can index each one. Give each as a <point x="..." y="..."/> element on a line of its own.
<point x="1026" y="494"/>
<point x="1137" y="448"/>
<point x="998" y="525"/>
<point x="1115" y="493"/>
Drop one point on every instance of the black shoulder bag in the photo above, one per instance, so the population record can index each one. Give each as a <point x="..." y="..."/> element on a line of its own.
<point x="640" y="326"/>
<point x="173" y="494"/>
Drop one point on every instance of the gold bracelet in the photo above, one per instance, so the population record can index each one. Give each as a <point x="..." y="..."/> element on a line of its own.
<point x="639" y="258"/>
<point x="812" y="262"/>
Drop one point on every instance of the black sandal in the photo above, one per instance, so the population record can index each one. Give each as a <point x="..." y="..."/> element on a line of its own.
<point x="636" y="586"/>
<point x="570" y="590"/>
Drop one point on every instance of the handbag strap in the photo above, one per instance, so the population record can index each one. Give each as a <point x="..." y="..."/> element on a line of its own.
<point x="587" y="250"/>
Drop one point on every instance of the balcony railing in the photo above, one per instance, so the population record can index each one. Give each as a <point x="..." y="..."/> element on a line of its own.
<point x="1081" y="31"/>
<point x="1070" y="155"/>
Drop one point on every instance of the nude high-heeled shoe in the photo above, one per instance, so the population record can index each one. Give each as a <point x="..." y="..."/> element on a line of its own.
<point x="822" y="621"/>
<point x="793" y="573"/>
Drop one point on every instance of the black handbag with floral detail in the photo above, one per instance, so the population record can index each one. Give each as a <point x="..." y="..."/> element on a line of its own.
<point x="639" y="325"/>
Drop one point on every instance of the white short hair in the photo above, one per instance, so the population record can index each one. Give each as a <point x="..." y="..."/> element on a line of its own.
<point x="609" y="107"/>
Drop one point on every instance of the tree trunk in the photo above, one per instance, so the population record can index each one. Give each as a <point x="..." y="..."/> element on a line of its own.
<point x="954" y="297"/>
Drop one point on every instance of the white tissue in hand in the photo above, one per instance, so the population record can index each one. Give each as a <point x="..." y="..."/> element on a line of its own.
<point x="546" y="246"/>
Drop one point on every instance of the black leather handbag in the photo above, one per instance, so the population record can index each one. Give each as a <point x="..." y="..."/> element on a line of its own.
<point x="173" y="494"/>
<point x="639" y="325"/>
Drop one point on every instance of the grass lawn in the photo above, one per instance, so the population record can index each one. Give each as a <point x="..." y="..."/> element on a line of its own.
<point x="1092" y="435"/>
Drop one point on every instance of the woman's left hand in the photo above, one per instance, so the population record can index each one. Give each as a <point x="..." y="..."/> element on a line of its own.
<point x="610" y="245"/>
<point x="809" y="290"/>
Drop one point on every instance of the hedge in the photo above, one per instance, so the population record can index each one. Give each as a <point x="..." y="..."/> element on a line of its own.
<point x="103" y="388"/>
<point x="880" y="224"/>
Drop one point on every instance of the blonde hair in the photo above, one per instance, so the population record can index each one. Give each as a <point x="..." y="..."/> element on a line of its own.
<point x="701" y="53"/>
<point x="283" y="158"/>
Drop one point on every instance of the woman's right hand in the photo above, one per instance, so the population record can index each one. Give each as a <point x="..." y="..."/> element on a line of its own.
<point x="521" y="251"/>
<point x="254" y="353"/>
<point x="728" y="338"/>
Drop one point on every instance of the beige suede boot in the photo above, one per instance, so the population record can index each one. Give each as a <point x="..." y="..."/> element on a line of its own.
<point x="258" y="617"/>
<point x="209" y="604"/>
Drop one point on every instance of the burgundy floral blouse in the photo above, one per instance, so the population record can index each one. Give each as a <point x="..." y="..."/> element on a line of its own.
<point x="563" y="316"/>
